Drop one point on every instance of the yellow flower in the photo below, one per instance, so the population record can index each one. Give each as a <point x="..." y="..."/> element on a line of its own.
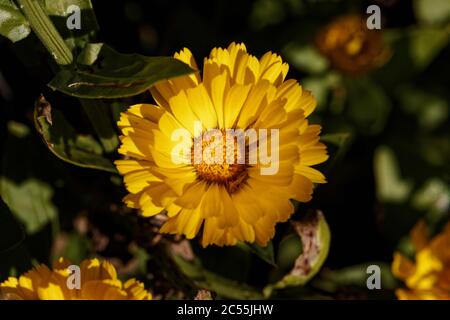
<point x="350" y="46"/>
<point x="230" y="202"/>
<point x="98" y="281"/>
<point x="428" y="278"/>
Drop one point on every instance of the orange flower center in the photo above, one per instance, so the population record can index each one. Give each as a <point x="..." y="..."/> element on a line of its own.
<point x="218" y="161"/>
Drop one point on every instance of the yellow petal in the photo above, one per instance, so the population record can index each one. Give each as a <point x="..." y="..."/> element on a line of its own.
<point x="127" y="166"/>
<point x="402" y="267"/>
<point x="187" y="57"/>
<point x="187" y="222"/>
<point x="218" y="91"/>
<point x="264" y="230"/>
<point x="419" y="235"/>
<point x="136" y="290"/>
<point x="50" y="292"/>
<point x="247" y="204"/>
<point x="256" y="101"/>
<point x="313" y="155"/>
<point x="301" y="188"/>
<point x="101" y="290"/>
<point x="243" y="232"/>
<point x="138" y="180"/>
<point x="272" y="116"/>
<point x="94" y="269"/>
<point x="192" y="196"/>
<point x="149" y="112"/>
<point x="202" y="106"/>
<point x="272" y="68"/>
<point x="212" y="205"/>
<point x="234" y="102"/>
<point x="61" y="264"/>
<point x="230" y="217"/>
<point x="312" y="174"/>
<point x="178" y="178"/>
<point x="307" y="102"/>
<point x="182" y="111"/>
<point x="211" y="232"/>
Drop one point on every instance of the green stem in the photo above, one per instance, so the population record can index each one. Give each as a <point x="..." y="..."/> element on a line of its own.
<point x="46" y="31"/>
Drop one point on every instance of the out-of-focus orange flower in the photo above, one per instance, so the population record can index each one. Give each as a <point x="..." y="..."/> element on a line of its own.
<point x="350" y="46"/>
<point x="428" y="278"/>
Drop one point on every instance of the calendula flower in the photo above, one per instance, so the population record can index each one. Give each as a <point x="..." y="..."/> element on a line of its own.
<point x="350" y="46"/>
<point x="230" y="201"/>
<point x="428" y="277"/>
<point x="98" y="281"/>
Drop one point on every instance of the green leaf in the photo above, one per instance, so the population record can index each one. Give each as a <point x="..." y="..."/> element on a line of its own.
<point x="289" y="249"/>
<point x="413" y="51"/>
<point x="369" y="106"/>
<point x="265" y="253"/>
<point x="389" y="183"/>
<point x="75" y="38"/>
<point x="13" y="24"/>
<point x="337" y="145"/>
<point x="63" y="141"/>
<point x="77" y="249"/>
<point x="205" y="279"/>
<point x="436" y="151"/>
<point x="266" y="12"/>
<point x="115" y="75"/>
<point x="321" y="86"/>
<point x="14" y="261"/>
<point x="10" y="230"/>
<point x="90" y="54"/>
<point x="315" y="235"/>
<point x="431" y="110"/>
<point x="426" y="43"/>
<point x="141" y="256"/>
<point x="434" y="196"/>
<point x="45" y="30"/>
<point x="432" y="12"/>
<point x="337" y="139"/>
<point x="305" y="58"/>
<point x="99" y="114"/>
<point x="356" y="275"/>
<point x="30" y="201"/>
<point x="22" y="184"/>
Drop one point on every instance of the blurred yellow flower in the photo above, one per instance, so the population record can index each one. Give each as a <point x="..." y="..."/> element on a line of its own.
<point x="98" y="281"/>
<point x="428" y="278"/>
<point x="350" y="46"/>
<point x="229" y="201"/>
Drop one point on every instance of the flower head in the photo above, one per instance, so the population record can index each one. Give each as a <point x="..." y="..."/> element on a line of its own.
<point x="350" y="46"/>
<point x="98" y="281"/>
<point x="429" y="276"/>
<point x="231" y="187"/>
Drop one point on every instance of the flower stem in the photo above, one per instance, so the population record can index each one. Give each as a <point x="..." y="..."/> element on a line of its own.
<point x="46" y="31"/>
